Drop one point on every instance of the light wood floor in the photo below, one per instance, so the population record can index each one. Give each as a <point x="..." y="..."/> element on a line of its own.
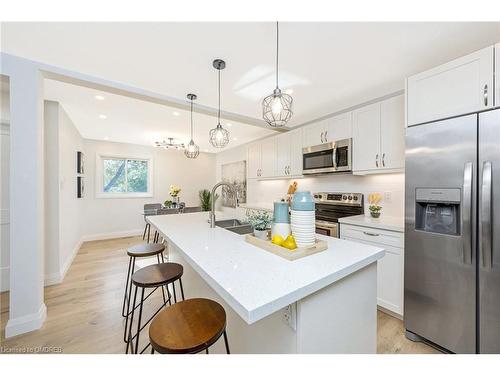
<point x="84" y="312"/>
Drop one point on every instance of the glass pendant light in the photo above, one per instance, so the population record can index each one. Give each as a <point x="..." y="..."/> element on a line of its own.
<point x="219" y="137"/>
<point x="192" y="150"/>
<point x="277" y="107"/>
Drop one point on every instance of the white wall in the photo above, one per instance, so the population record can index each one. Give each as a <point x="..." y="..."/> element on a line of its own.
<point x="4" y="188"/>
<point x="263" y="193"/>
<point x="108" y="217"/>
<point x="63" y="210"/>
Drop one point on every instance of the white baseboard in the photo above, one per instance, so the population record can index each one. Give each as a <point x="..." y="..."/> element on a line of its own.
<point x="58" y="277"/>
<point x="26" y="323"/>
<point x="108" y="236"/>
<point x="4" y="279"/>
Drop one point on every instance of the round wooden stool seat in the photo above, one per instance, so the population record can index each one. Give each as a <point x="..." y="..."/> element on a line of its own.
<point x="157" y="275"/>
<point x="188" y="326"/>
<point x="145" y="250"/>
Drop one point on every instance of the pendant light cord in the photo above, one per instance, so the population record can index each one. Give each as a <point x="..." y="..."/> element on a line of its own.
<point x="277" y="51"/>
<point x="218" y="111"/>
<point x="191" y="119"/>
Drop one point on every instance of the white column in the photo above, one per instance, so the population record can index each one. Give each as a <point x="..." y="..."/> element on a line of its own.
<point x="27" y="310"/>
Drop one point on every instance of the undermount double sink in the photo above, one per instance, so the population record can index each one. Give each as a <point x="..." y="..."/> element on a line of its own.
<point x="235" y="226"/>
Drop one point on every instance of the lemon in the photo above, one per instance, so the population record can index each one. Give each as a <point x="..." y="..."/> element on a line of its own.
<point x="277" y="240"/>
<point x="289" y="243"/>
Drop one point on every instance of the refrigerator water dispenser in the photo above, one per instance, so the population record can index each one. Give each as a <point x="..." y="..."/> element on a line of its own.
<point x="438" y="211"/>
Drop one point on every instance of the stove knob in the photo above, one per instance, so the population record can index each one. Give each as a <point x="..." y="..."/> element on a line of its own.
<point x="320" y="196"/>
<point x="344" y="197"/>
<point x="350" y="197"/>
<point x="355" y="198"/>
<point x="316" y="196"/>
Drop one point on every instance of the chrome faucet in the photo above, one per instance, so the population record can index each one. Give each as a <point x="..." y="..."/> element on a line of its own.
<point x="212" y="212"/>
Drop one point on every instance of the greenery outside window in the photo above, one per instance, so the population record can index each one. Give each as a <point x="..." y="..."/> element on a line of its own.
<point x="123" y="177"/>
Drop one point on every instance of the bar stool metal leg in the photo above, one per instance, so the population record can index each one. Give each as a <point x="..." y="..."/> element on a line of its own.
<point x="226" y="343"/>
<point x="125" y="296"/>
<point x="129" y="339"/>
<point x="129" y="297"/>
<point x="182" y="289"/>
<point x="139" y="322"/>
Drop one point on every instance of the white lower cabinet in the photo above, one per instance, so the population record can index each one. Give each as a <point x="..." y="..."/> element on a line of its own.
<point x="390" y="270"/>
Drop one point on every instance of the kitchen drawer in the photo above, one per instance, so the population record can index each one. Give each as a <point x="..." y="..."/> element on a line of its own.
<point x="373" y="235"/>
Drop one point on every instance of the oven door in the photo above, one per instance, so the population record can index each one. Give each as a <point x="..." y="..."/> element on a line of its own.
<point x="328" y="158"/>
<point x="327" y="228"/>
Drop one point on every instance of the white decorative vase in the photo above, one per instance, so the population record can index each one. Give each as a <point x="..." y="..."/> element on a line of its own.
<point x="262" y="234"/>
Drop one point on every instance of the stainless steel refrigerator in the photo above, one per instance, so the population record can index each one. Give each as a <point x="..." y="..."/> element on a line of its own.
<point x="452" y="233"/>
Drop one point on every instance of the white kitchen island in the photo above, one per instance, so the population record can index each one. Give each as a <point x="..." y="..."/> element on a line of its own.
<point x="323" y="303"/>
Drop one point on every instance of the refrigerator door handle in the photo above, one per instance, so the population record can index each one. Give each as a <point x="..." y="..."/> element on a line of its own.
<point x="485" y="218"/>
<point x="467" y="214"/>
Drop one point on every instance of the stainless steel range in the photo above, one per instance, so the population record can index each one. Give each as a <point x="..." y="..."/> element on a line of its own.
<point x="332" y="206"/>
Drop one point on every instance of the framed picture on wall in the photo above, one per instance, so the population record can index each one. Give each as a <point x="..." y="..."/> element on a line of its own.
<point x="79" y="162"/>
<point x="79" y="187"/>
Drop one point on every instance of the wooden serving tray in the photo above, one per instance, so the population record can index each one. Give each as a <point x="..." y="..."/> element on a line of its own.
<point x="298" y="253"/>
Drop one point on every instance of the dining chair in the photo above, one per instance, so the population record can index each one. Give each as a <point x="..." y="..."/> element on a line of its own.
<point x="163" y="211"/>
<point x="149" y="207"/>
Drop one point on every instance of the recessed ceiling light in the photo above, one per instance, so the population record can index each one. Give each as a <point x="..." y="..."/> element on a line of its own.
<point x="229" y="125"/>
<point x="103" y="117"/>
<point x="106" y="138"/>
<point x="289" y="91"/>
<point x="99" y="97"/>
<point x="235" y="139"/>
<point x="175" y="113"/>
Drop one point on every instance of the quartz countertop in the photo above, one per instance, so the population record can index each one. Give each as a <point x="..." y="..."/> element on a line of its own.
<point x="395" y="224"/>
<point x="254" y="282"/>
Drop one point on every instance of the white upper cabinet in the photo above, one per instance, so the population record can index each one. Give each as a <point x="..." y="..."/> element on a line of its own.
<point x="329" y="130"/>
<point x="392" y="133"/>
<point x="366" y="138"/>
<point x="497" y="75"/>
<point x="254" y="160"/>
<point x="379" y="137"/>
<point x="314" y="134"/>
<point x="338" y="127"/>
<point x="458" y="87"/>
<point x="268" y="157"/>
<point x="296" y="145"/>
<point x="289" y="153"/>
<point x="283" y="154"/>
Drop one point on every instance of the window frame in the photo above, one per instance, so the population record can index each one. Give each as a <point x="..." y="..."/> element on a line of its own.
<point x="99" y="176"/>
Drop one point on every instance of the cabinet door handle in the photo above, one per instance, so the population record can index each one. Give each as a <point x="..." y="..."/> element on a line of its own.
<point x="371" y="234"/>
<point x="326" y="135"/>
<point x="322" y="141"/>
<point x="485" y="95"/>
<point x="376" y="160"/>
<point x="383" y="160"/>
<point x="288" y="169"/>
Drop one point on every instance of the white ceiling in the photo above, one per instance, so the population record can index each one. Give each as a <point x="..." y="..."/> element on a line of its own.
<point x="135" y="121"/>
<point x="329" y="66"/>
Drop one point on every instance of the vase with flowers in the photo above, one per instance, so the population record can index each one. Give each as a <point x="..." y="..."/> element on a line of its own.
<point x="374" y="207"/>
<point x="174" y="193"/>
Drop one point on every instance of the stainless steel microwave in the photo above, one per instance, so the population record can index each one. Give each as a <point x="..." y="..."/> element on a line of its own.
<point x="332" y="157"/>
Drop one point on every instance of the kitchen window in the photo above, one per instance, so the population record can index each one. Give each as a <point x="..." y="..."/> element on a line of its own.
<point x="123" y="177"/>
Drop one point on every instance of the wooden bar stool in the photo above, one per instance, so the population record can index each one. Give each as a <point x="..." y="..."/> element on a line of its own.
<point x="153" y="276"/>
<point x="188" y="327"/>
<point x="139" y="251"/>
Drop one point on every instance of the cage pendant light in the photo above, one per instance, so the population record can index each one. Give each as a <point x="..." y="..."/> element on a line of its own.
<point x="192" y="150"/>
<point x="219" y="137"/>
<point x="277" y="107"/>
